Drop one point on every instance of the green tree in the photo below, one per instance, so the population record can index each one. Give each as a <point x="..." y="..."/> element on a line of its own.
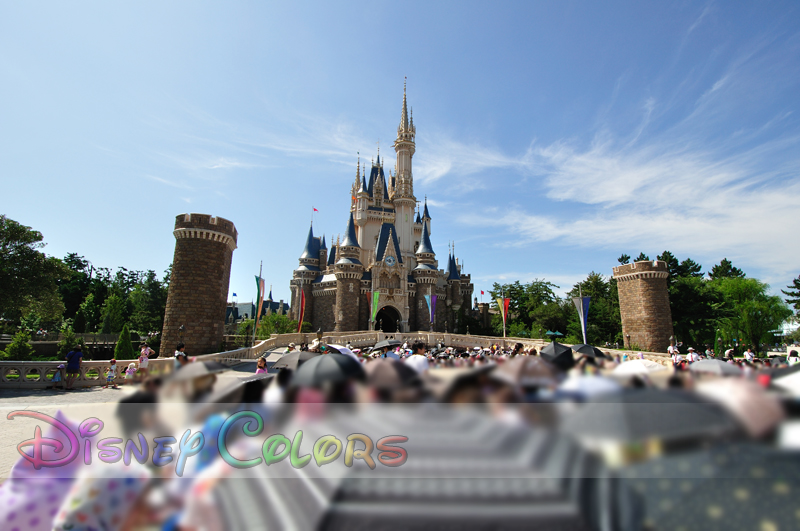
<point x="532" y="306"/>
<point x="113" y="314"/>
<point x="20" y="348"/>
<point x="624" y="259"/>
<point x="123" y="350"/>
<point x="90" y="313"/>
<point x="27" y="275"/>
<point x="75" y="285"/>
<point x="792" y="291"/>
<point x="725" y="269"/>
<point x="749" y="313"/>
<point x="69" y="340"/>
<point x="274" y="324"/>
<point x="642" y="258"/>
<point x="149" y="302"/>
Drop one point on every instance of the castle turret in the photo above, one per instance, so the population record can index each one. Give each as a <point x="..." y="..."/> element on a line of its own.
<point x="348" y="270"/>
<point x="198" y="288"/>
<point x="425" y="275"/>
<point x="403" y="199"/>
<point x="644" y="305"/>
<point x="323" y="253"/>
<point x="304" y="275"/>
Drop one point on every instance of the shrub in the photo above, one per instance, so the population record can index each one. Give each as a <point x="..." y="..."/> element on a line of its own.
<point x="19" y="349"/>
<point x="123" y="350"/>
<point x="69" y="341"/>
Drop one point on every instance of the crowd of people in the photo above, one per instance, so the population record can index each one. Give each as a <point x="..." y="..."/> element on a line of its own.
<point x="514" y="385"/>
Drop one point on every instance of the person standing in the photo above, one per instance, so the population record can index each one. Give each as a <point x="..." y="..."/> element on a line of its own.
<point x="74" y="360"/>
<point x="677" y="359"/>
<point x="261" y="365"/>
<point x="180" y="356"/>
<point x="144" y="359"/>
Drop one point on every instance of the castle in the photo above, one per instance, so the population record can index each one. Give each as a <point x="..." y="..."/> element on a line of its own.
<point x="386" y="255"/>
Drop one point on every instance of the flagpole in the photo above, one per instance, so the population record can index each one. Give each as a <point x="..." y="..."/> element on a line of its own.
<point x="255" y="318"/>
<point x="503" y="313"/>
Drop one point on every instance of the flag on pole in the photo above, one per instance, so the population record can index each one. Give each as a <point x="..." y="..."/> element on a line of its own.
<point x="235" y="295"/>
<point x="428" y="300"/>
<point x="260" y="298"/>
<point x="315" y="210"/>
<point x="482" y="293"/>
<point x="375" y="296"/>
<point x="582" y="305"/>
<point x="302" y="310"/>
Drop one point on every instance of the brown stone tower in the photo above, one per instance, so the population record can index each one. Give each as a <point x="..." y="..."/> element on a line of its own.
<point x="644" y="305"/>
<point x="198" y="287"/>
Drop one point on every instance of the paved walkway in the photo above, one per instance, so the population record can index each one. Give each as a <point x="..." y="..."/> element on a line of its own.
<point x="76" y="404"/>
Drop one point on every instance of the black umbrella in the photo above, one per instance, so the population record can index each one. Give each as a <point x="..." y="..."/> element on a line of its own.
<point x="333" y="368"/>
<point x="243" y="390"/>
<point x="294" y="359"/>
<point x="641" y="414"/>
<point x="198" y="369"/>
<point x="388" y="343"/>
<point x="590" y="351"/>
<point x="559" y="355"/>
<point x="755" y="491"/>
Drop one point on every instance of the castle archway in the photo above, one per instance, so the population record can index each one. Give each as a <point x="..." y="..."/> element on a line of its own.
<point x="388" y="319"/>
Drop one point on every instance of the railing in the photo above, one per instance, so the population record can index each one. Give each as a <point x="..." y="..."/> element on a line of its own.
<point x="39" y="374"/>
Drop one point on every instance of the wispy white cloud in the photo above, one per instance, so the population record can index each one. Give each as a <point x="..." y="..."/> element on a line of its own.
<point x="173" y="184"/>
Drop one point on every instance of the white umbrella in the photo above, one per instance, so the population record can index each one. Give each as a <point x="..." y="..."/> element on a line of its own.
<point x="755" y="409"/>
<point x="633" y="367"/>
<point x="417" y="362"/>
<point x="720" y="368"/>
<point x="346" y="351"/>
<point x="590" y="385"/>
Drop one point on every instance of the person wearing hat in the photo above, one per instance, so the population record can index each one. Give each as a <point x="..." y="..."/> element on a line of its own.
<point x="692" y="356"/>
<point x="290" y="348"/>
<point x="58" y="380"/>
<point x="74" y="360"/>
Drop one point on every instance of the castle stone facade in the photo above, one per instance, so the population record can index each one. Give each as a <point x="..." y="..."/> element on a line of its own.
<point x="198" y="288"/>
<point x="644" y="305"/>
<point x="386" y="249"/>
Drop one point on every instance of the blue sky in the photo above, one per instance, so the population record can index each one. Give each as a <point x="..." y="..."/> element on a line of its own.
<point x="552" y="136"/>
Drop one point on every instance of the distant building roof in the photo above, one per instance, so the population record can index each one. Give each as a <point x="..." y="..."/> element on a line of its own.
<point x="350" y="239"/>
<point x="311" y="249"/>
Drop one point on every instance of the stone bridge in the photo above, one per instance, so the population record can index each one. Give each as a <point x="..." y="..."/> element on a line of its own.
<point x="38" y="375"/>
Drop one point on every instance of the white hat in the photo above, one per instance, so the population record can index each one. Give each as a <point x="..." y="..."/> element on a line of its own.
<point x="690" y="348"/>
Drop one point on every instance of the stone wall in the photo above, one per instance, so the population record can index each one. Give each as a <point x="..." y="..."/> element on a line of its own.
<point x="198" y="288"/>
<point x="644" y="305"/>
<point x="348" y="289"/>
<point x="323" y="311"/>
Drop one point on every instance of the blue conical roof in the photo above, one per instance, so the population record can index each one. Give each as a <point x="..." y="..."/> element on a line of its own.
<point x="425" y="245"/>
<point x="323" y="245"/>
<point x="332" y="256"/>
<point x="453" y="269"/>
<point x="312" y="245"/>
<point x="425" y="214"/>
<point x="418" y="220"/>
<point x="350" y="239"/>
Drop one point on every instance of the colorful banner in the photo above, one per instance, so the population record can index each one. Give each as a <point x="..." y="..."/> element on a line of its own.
<point x="259" y="298"/>
<point x="302" y="310"/>
<point x="428" y="300"/>
<point x="375" y="296"/>
<point x="502" y="305"/>
<point x="582" y="305"/>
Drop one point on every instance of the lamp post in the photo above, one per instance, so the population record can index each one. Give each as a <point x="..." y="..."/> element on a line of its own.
<point x="628" y="337"/>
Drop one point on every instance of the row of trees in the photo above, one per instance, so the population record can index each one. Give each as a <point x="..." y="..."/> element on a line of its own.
<point x="70" y="294"/>
<point x="724" y="307"/>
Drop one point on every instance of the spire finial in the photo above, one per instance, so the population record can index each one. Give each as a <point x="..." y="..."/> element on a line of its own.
<point x="404" y="115"/>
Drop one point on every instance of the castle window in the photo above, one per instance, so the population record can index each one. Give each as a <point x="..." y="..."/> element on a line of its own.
<point x="416" y="246"/>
